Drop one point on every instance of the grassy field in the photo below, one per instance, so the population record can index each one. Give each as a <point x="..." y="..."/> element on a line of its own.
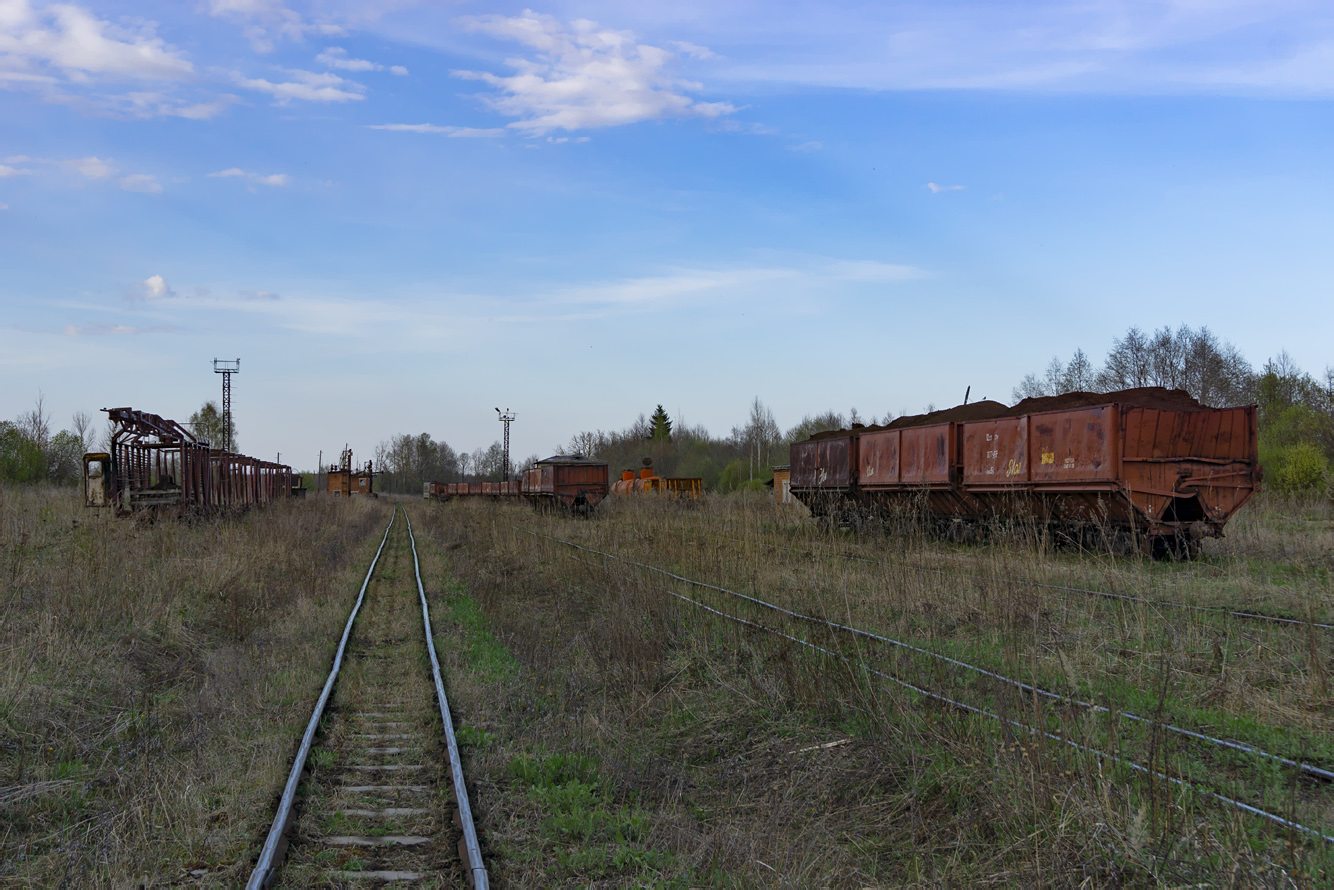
<point x="742" y="758"/>
<point x="154" y="679"/>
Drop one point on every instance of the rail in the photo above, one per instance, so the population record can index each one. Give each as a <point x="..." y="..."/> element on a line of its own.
<point x="1221" y="610"/>
<point x="472" y="848"/>
<point x="275" y="843"/>
<point x="1309" y="769"/>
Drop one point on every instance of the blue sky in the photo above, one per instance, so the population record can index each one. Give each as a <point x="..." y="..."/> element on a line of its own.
<point x="402" y="219"/>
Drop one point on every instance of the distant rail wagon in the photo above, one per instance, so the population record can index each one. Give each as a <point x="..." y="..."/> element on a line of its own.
<point x="568" y="481"/>
<point x="155" y="463"/>
<point x="647" y="482"/>
<point x="1150" y="467"/>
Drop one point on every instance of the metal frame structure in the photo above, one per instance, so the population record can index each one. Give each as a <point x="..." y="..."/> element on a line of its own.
<point x="506" y="417"/>
<point x="227" y="367"/>
<point x="157" y="463"/>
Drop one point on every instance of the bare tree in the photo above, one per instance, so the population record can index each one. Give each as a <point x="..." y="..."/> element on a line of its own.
<point x="36" y="424"/>
<point x="82" y="422"/>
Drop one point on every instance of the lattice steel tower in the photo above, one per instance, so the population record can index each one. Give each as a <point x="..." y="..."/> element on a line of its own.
<point x="227" y="368"/>
<point x="506" y="418"/>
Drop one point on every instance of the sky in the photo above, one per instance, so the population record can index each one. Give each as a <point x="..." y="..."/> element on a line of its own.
<point x="401" y="216"/>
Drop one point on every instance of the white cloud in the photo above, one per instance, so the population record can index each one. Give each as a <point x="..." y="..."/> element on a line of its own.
<point x="93" y="168"/>
<point x="3" y="206"/>
<point x="259" y="295"/>
<point x="154" y="104"/>
<point x="695" y="51"/>
<point x="806" y="146"/>
<point x="336" y="57"/>
<point x="11" y="171"/>
<point x="103" y="329"/>
<point x="681" y="285"/>
<point x="307" y="86"/>
<point x="258" y="178"/>
<point x="583" y="77"/>
<point x="455" y="132"/>
<point x="141" y="182"/>
<point x="937" y="189"/>
<point x="70" y="38"/>
<point x="155" y="287"/>
<point x="268" y="20"/>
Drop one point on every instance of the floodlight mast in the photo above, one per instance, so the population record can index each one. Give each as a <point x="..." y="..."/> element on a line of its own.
<point x="227" y="367"/>
<point x="506" y="417"/>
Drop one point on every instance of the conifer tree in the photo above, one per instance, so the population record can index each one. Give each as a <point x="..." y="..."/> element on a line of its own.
<point x="660" y="426"/>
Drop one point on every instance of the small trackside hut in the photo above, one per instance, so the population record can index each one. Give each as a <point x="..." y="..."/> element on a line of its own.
<point x="344" y="480"/>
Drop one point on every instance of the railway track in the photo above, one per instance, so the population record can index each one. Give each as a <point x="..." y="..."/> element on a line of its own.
<point x="376" y="791"/>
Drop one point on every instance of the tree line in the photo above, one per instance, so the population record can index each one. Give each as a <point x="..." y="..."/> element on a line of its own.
<point x="1296" y="408"/>
<point x="32" y="450"/>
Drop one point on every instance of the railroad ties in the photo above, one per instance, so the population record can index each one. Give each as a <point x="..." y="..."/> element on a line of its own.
<point x="378" y="801"/>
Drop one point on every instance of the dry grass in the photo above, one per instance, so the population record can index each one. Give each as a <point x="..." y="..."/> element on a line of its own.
<point x="700" y="724"/>
<point x="154" y="678"/>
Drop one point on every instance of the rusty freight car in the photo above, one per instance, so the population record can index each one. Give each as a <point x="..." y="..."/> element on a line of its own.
<point x="155" y="463"/>
<point x="565" y="481"/>
<point x="1151" y="466"/>
<point x="569" y="481"/>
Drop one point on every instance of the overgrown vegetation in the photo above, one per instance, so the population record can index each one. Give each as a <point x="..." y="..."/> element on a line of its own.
<point x="756" y="762"/>
<point x="154" y="678"/>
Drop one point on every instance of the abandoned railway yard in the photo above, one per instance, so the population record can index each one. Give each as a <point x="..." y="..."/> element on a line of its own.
<point x="721" y="692"/>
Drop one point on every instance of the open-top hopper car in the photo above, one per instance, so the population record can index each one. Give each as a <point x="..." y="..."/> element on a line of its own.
<point x="1146" y="467"/>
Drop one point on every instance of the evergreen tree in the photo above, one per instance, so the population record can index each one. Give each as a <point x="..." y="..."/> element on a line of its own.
<point x="660" y="426"/>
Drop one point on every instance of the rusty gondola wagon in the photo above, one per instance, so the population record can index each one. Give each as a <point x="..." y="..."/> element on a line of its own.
<point x="563" y="481"/>
<point x="1146" y="468"/>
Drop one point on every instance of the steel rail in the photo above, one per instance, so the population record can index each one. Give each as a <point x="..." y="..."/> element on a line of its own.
<point x="266" y="867"/>
<point x="1101" y="755"/>
<point x="1309" y="769"/>
<point x="1220" y="610"/>
<point x="476" y="867"/>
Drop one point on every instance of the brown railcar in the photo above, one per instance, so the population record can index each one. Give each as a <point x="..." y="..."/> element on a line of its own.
<point x="568" y="481"/>
<point x="1151" y="465"/>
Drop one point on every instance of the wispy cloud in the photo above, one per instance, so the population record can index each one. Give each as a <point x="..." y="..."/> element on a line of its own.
<point x="141" y="182"/>
<point x="91" y="167"/>
<point x="937" y="189"/>
<point x="259" y="295"/>
<point x="306" y="86"/>
<point x="102" y="329"/>
<point x="583" y="76"/>
<point x="266" y="21"/>
<point x="456" y="132"/>
<point x="337" y="57"/>
<point x="806" y="147"/>
<point x="272" y="179"/>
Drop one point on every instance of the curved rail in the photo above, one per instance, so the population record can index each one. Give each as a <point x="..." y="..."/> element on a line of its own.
<point x="1219" y="610"/>
<point x="265" y="868"/>
<point x="472" y="849"/>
